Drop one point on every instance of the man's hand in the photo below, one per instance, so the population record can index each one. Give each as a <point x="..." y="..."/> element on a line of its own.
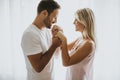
<point x="56" y="42"/>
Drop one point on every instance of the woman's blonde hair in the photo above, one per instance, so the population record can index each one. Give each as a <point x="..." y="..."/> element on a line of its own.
<point x="86" y="17"/>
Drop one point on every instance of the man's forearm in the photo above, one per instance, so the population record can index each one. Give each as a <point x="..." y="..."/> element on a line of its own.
<point x="45" y="58"/>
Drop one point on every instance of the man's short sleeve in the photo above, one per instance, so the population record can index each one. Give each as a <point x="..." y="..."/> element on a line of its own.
<point x="31" y="44"/>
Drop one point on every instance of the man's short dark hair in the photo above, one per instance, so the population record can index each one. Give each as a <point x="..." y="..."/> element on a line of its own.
<point x="49" y="5"/>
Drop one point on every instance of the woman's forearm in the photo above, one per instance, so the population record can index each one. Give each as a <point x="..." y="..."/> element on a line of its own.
<point x="65" y="55"/>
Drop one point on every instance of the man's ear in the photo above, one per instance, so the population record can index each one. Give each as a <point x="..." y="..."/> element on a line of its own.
<point x="45" y="13"/>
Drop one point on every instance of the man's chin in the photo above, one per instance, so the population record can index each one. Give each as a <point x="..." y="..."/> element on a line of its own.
<point x="49" y="27"/>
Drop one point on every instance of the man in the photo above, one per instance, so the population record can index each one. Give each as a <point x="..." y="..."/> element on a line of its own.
<point x="36" y="42"/>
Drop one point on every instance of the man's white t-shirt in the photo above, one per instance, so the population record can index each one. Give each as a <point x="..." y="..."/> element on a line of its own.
<point x="35" y="41"/>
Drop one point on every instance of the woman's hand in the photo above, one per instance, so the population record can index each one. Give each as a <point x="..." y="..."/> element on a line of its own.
<point x="55" y="30"/>
<point x="61" y="36"/>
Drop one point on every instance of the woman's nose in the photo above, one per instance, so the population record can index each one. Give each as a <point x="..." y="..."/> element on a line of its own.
<point x="73" y="22"/>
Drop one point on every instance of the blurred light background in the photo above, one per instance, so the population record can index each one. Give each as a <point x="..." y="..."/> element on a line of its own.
<point x="17" y="15"/>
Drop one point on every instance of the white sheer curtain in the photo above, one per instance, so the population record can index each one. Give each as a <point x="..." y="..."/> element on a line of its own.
<point x="16" y="15"/>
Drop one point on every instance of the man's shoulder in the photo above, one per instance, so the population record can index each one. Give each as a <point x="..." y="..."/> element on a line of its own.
<point x="30" y="30"/>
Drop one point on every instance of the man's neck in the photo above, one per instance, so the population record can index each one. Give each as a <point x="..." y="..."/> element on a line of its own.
<point x="38" y="23"/>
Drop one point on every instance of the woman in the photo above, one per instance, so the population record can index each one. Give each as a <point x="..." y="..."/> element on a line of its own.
<point x="78" y="56"/>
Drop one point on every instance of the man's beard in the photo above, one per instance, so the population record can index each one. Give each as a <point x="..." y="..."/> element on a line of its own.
<point x="47" y="22"/>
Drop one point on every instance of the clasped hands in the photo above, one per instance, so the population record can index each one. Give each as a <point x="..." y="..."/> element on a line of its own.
<point x="57" y="35"/>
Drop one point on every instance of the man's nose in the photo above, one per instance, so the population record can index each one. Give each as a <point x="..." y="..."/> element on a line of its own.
<point x="54" y="21"/>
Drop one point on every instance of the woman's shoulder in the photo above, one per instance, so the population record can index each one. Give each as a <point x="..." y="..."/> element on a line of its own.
<point x="89" y="43"/>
